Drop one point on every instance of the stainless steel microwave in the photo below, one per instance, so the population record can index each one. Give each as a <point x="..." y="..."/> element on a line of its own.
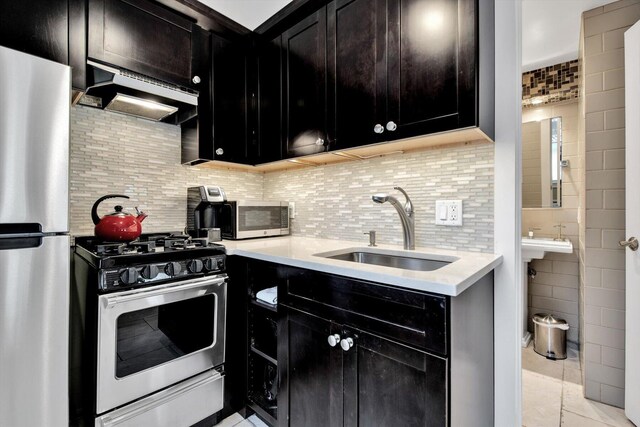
<point x="246" y="219"/>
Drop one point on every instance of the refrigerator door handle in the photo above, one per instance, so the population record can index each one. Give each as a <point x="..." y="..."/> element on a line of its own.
<point x="20" y="242"/>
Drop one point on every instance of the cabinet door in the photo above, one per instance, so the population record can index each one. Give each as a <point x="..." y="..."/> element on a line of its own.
<point x="311" y="372"/>
<point x="390" y="384"/>
<point x="432" y="52"/>
<point x="270" y="100"/>
<point x="36" y="27"/>
<point x="304" y="65"/>
<point x="356" y="58"/>
<point x="142" y="37"/>
<point x="229" y="100"/>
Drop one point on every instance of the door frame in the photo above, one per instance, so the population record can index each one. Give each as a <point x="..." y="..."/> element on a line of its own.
<point x="508" y="292"/>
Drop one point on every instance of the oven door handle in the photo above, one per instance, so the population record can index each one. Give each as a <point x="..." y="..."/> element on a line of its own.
<point x="113" y="300"/>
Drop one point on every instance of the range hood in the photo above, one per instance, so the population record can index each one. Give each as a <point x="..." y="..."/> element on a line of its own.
<point x="128" y="93"/>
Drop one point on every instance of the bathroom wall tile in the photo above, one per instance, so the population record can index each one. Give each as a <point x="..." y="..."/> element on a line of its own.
<point x="567" y="294"/>
<point x="593" y="45"/>
<point x="614" y="79"/>
<point x="592" y="315"/>
<point x="605" y="374"/>
<point x="614" y="159"/>
<point x="613" y="39"/>
<point x="611" y="239"/>
<point x="614" y="119"/>
<point x="594" y="83"/>
<point x="593" y="238"/>
<point x="613" y="396"/>
<point x="607" y="60"/>
<point x="593" y="352"/>
<point x="604" y="336"/>
<point x="569" y="307"/>
<point x="541" y="290"/>
<point x="613" y="279"/>
<point x="614" y="199"/>
<point x="564" y="267"/>
<point x="595" y="199"/>
<point x="593" y="276"/>
<point x="613" y="319"/>
<point x="605" y="298"/>
<point x="613" y="19"/>
<point x="605" y="258"/>
<point x="595" y="121"/>
<point x="607" y="100"/>
<point x="606" y="140"/>
<point x="619" y="4"/>
<point x="602" y="180"/>
<point x="606" y="218"/>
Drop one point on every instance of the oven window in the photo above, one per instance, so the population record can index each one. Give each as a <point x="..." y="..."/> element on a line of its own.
<point x="156" y="335"/>
<point x="252" y="218"/>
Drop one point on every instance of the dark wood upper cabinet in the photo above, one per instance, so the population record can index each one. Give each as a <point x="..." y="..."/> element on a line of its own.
<point x="36" y="27"/>
<point x="143" y="37"/>
<point x="431" y="69"/>
<point x="357" y="75"/>
<point x="304" y="86"/>
<point x="229" y="100"/>
<point x="269" y="100"/>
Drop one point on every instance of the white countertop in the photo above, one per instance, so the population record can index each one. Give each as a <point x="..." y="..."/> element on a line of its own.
<point x="452" y="279"/>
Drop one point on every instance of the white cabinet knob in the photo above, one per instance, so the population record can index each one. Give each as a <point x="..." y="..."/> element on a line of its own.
<point x="333" y="340"/>
<point x="219" y="151"/>
<point x="378" y="128"/>
<point x="391" y="126"/>
<point x="196" y="79"/>
<point x="346" y="344"/>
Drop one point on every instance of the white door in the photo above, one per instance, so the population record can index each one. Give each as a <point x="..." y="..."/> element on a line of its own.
<point x="632" y="112"/>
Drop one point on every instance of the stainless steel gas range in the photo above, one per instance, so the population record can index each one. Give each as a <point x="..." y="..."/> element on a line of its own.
<point x="148" y="331"/>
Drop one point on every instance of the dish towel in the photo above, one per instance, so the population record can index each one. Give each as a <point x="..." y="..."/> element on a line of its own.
<point x="269" y="295"/>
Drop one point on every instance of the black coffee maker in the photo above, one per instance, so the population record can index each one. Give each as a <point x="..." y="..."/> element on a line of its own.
<point x="204" y="211"/>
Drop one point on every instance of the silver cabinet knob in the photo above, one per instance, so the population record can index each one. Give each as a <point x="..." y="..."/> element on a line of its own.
<point x="196" y="79"/>
<point x="346" y="344"/>
<point x="632" y="243"/>
<point x="319" y="141"/>
<point x="391" y="126"/>
<point x="378" y="128"/>
<point x="219" y="151"/>
<point x="333" y="340"/>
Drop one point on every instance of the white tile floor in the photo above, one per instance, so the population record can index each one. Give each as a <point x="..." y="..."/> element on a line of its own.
<point x="236" y="420"/>
<point x="552" y="395"/>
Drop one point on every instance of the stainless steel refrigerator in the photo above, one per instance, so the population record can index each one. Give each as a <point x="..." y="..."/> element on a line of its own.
<point x="34" y="240"/>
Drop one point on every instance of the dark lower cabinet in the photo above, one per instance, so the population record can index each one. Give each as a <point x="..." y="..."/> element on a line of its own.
<point x="363" y="380"/>
<point x="36" y="27"/>
<point x="311" y="373"/>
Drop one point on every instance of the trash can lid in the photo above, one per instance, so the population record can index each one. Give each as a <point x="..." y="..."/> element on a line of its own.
<point x="549" y="321"/>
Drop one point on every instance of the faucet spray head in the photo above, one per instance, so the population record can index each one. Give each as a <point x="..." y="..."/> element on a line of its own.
<point x="380" y="198"/>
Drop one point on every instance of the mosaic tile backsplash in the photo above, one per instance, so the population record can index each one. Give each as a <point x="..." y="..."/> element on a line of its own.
<point x="113" y="153"/>
<point x="559" y="82"/>
<point x="334" y="201"/>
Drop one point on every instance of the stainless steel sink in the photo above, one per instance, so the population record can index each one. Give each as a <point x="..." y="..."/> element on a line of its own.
<point x="388" y="260"/>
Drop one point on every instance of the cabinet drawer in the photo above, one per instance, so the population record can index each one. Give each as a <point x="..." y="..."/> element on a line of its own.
<point x="414" y="318"/>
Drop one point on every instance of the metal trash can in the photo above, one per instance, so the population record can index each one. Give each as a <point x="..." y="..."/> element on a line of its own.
<point x="550" y="336"/>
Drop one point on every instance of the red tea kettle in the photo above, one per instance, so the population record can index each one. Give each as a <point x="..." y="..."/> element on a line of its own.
<point x="117" y="226"/>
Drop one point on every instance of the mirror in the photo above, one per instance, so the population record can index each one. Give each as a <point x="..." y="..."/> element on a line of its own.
<point x="542" y="163"/>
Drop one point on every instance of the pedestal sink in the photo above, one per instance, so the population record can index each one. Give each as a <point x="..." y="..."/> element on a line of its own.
<point x="536" y="248"/>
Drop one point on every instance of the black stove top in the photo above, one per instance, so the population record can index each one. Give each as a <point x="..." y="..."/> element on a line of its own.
<point x="152" y="259"/>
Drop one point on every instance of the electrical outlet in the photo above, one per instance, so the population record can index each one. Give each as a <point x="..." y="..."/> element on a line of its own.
<point x="292" y="210"/>
<point x="449" y="212"/>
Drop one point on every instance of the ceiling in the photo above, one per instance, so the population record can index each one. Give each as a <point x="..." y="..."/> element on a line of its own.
<point x="551" y="30"/>
<point x="249" y="13"/>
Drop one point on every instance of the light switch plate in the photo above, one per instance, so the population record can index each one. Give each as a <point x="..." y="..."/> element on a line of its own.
<point x="449" y="212"/>
<point x="292" y="210"/>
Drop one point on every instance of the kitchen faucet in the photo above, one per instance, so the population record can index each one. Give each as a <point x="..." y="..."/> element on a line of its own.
<point x="406" y="215"/>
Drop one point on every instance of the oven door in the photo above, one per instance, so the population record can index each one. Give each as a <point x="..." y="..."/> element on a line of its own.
<point x="152" y="338"/>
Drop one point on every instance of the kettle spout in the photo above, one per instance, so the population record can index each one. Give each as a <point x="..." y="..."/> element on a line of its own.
<point x="141" y="215"/>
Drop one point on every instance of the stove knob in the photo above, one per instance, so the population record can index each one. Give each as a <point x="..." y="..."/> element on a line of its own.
<point x="195" y="266"/>
<point x="150" y="271"/>
<point x="129" y="276"/>
<point x="220" y="263"/>
<point x="172" y="269"/>
<point x="211" y="264"/>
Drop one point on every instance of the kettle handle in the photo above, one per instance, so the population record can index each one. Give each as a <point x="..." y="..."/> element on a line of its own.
<point x="94" y="209"/>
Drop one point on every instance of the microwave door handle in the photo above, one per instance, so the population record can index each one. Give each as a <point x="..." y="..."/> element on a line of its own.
<point x="112" y="301"/>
